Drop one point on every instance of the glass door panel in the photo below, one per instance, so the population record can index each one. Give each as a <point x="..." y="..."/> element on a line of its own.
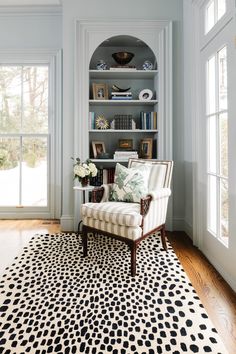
<point x="24" y="135"/>
<point x="34" y="171"/>
<point x="9" y="171"/>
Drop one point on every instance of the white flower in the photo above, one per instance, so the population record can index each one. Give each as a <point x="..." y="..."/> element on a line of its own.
<point x="84" y="169"/>
<point x="93" y="169"/>
<point x="80" y="171"/>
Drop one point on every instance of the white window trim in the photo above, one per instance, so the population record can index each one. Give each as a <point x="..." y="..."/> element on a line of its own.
<point x="205" y="38"/>
<point x="199" y="41"/>
<point x="53" y="59"/>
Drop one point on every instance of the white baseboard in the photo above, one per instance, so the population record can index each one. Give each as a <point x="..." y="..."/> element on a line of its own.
<point x="222" y="272"/>
<point x="67" y="223"/>
<point x="178" y="224"/>
<point x="188" y="229"/>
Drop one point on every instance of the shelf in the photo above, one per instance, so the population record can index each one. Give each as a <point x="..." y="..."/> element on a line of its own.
<point x="122" y="102"/>
<point x="108" y="160"/>
<point x="122" y="74"/>
<point x="123" y="131"/>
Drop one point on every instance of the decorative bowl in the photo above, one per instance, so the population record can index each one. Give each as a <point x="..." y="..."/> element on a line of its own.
<point x="122" y="58"/>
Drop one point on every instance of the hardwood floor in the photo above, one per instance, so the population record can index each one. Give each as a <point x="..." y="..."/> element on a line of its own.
<point x="217" y="297"/>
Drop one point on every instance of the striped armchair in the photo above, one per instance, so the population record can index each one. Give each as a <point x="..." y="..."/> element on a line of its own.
<point x="130" y="222"/>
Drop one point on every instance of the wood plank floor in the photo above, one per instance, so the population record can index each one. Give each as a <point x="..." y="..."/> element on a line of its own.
<point x="217" y="297"/>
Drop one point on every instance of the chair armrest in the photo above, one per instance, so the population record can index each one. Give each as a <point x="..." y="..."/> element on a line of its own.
<point x="145" y="204"/>
<point x="160" y="193"/>
<point x="101" y="194"/>
<point x="153" y="195"/>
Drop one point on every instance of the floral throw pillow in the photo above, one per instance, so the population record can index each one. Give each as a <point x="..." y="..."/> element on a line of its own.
<point x="130" y="184"/>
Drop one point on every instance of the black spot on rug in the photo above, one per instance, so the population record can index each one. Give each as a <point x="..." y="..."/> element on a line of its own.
<point x="52" y="300"/>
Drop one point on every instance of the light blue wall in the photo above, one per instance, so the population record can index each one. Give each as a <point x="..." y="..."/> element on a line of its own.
<point x="30" y="28"/>
<point x="133" y="9"/>
<point x="43" y="28"/>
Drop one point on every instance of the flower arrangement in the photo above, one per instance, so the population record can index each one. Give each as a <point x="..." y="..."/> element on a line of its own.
<point x="83" y="171"/>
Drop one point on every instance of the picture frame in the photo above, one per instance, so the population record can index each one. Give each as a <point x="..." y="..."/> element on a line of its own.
<point x="100" y="91"/>
<point x="125" y="144"/>
<point x="145" y="95"/>
<point x="146" y="148"/>
<point x="98" y="148"/>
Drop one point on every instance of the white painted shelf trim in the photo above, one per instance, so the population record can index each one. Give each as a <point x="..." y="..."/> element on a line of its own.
<point x="123" y="74"/>
<point x="122" y="102"/>
<point x="123" y="131"/>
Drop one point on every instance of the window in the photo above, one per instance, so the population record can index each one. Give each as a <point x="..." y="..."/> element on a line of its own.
<point x="24" y="135"/>
<point x="217" y="141"/>
<point x="214" y="10"/>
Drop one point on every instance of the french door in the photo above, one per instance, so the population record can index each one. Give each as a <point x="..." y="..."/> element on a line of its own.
<point x="216" y="212"/>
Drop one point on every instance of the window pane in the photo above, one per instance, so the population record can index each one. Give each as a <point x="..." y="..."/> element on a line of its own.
<point x="10" y="99"/>
<point x="34" y="172"/>
<point x="212" y="144"/>
<point x="224" y="205"/>
<point x="212" y="204"/>
<point x="9" y="171"/>
<point x="221" y="8"/>
<point x="210" y="16"/>
<point x="222" y="60"/>
<point x="211" y="86"/>
<point x="35" y="99"/>
<point x="224" y="144"/>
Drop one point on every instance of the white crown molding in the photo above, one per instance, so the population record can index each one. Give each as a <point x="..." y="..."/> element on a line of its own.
<point x="44" y="10"/>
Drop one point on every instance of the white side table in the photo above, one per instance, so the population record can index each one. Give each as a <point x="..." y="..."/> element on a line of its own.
<point x="84" y="190"/>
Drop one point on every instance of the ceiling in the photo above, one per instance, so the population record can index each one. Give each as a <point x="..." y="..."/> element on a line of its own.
<point x="29" y="2"/>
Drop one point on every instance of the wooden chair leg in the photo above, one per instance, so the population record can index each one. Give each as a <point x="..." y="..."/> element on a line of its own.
<point x="163" y="238"/>
<point x="84" y="236"/>
<point x="133" y="248"/>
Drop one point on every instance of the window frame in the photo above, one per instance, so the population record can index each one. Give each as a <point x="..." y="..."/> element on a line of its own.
<point x="206" y="37"/>
<point x="51" y="58"/>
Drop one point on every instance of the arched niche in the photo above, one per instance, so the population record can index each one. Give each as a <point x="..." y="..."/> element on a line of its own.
<point x="123" y="43"/>
<point x="89" y="35"/>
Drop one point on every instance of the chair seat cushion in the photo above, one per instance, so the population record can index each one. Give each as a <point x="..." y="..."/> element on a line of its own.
<point x="131" y="233"/>
<point x="120" y="213"/>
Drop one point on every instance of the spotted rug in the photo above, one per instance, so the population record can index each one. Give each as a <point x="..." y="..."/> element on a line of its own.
<point x="52" y="300"/>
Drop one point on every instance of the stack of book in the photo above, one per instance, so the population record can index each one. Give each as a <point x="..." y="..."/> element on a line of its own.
<point x="123" y="122"/>
<point x="121" y="96"/>
<point x="148" y="120"/>
<point x="104" y="176"/>
<point x="123" y="67"/>
<point x="125" y="154"/>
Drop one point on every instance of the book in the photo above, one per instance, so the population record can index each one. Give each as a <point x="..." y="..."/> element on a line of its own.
<point x="125" y="98"/>
<point x="121" y="68"/>
<point x="121" y="93"/>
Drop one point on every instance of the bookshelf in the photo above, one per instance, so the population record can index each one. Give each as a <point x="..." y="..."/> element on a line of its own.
<point x="136" y="80"/>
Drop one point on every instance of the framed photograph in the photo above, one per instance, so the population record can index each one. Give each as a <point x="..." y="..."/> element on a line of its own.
<point x="145" y="95"/>
<point x="146" y="148"/>
<point x="98" y="148"/>
<point x="125" y="144"/>
<point x="100" y="91"/>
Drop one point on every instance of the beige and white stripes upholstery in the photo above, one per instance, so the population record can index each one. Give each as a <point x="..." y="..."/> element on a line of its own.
<point x="160" y="175"/>
<point x="132" y="233"/>
<point x="120" y="213"/>
<point x="124" y="219"/>
<point x="156" y="214"/>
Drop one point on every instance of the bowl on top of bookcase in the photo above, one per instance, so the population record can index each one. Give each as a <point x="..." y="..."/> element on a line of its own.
<point x="123" y="58"/>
